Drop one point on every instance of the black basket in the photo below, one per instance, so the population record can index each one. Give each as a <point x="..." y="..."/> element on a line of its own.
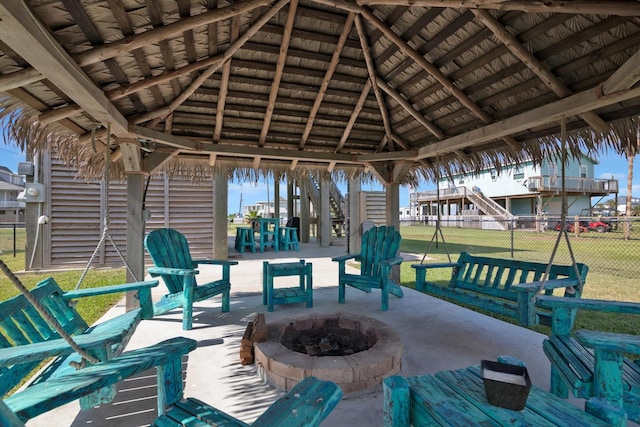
<point x="506" y="385"/>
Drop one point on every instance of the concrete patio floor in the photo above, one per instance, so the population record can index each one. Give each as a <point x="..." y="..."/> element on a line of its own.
<point x="436" y="335"/>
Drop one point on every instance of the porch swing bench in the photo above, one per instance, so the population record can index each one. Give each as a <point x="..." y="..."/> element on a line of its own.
<point x="21" y="324"/>
<point x="504" y="287"/>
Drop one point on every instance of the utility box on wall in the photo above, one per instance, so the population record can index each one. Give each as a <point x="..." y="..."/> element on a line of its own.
<point x="34" y="193"/>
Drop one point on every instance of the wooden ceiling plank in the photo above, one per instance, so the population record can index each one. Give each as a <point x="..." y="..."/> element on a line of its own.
<point x="25" y="35"/>
<point x="280" y="63"/>
<point x="196" y="83"/>
<point x="611" y="7"/>
<point x="224" y="84"/>
<point x="169" y="31"/>
<point x="354" y="115"/>
<point x="548" y="78"/>
<point x="335" y="59"/>
<point x="371" y="69"/>
<point x="20" y="78"/>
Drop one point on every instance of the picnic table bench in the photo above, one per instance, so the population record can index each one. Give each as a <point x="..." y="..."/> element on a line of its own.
<point x="458" y="398"/>
<point x="305" y="405"/>
<point x="22" y="324"/>
<point x="593" y="364"/>
<point x="502" y="286"/>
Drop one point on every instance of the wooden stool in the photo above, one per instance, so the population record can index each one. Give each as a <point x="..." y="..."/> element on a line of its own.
<point x="244" y="239"/>
<point x="289" y="239"/>
<point x="301" y="293"/>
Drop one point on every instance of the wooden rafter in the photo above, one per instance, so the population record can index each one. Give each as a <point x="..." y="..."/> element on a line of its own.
<point x="611" y="7"/>
<point x="547" y="77"/>
<point x="26" y="36"/>
<point x="625" y="77"/>
<point x="354" y="115"/>
<point x="327" y="78"/>
<point x="371" y="69"/>
<point x="19" y="78"/>
<point x="427" y="66"/>
<point x="122" y="19"/>
<point x="280" y="63"/>
<point x="224" y="84"/>
<point x="437" y="132"/>
<point x="157" y="115"/>
<point x="166" y="32"/>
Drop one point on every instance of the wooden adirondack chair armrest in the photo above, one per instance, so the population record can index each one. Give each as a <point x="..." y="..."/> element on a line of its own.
<point x="59" y="347"/>
<point x="306" y="404"/>
<point x="392" y="261"/>
<point x="346" y="257"/>
<point x="552" y="302"/>
<point x="112" y="289"/>
<point x="420" y="267"/>
<point x="609" y="341"/>
<point x="214" y="262"/>
<point x="58" y="391"/>
<point x="157" y="271"/>
<point x="143" y="289"/>
<point x="533" y="287"/>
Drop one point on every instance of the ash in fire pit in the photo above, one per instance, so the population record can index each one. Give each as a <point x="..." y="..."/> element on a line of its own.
<point x="329" y="340"/>
<point x="355" y="352"/>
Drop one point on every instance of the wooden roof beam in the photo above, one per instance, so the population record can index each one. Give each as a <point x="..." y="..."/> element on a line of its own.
<point x="354" y="115"/>
<point x="26" y="36"/>
<point x="572" y="105"/>
<point x="611" y="7"/>
<point x="280" y="63"/>
<point x="166" y="32"/>
<point x="373" y="77"/>
<point x="160" y="113"/>
<point x="335" y="59"/>
<point x="245" y="150"/>
<point x="224" y="84"/>
<point x="547" y="77"/>
<point x="437" y="132"/>
<point x="625" y="77"/>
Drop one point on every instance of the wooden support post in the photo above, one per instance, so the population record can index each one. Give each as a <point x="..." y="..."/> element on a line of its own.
<point x="220" y="208"/>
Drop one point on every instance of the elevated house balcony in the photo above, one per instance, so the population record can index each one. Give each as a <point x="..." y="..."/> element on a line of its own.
<point x="553" y="184"/>
<point x="12" y="204"/>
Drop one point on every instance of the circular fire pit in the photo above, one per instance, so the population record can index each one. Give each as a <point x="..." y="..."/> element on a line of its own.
<point x="355" y="352"/>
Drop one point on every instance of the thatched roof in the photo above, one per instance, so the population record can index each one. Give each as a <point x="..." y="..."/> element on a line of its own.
<point x="399" y="89"/>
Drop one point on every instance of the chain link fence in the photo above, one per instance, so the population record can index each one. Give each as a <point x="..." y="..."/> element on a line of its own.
<point x="12" y="238"/>
<point x="610" y="246"/>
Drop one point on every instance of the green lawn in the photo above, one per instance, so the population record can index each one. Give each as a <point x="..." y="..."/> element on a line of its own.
<point x="594" y="249"/>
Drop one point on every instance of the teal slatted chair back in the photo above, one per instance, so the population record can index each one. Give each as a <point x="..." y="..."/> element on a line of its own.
<point x="169" y="248"/>
<point x="378" y="244"/>
<point x="21" y="324"/>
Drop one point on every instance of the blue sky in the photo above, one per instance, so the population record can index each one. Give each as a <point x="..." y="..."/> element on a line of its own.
<point x="610" y="165"/>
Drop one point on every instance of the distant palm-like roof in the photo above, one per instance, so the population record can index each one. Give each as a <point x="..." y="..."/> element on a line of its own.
<point x="399" y="89"/>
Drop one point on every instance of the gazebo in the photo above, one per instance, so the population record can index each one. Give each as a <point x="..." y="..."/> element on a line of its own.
<point x="397" y="90"/>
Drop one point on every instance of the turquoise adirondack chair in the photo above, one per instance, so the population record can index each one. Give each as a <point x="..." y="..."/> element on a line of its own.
<point x="305" y="405"/>
<point x="170" y="253"/>
<point x="378" y="254"/>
